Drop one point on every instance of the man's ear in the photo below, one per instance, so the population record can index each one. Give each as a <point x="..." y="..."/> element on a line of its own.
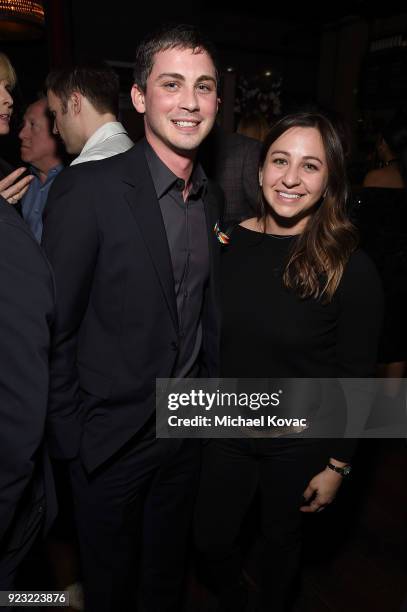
<point x="137" y="97"/>
<point x="75" y="102"/>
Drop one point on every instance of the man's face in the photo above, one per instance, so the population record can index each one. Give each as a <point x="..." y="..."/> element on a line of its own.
<point x="65" y="124"/>
<point x="38" y="146"/>
<point x="180" y="102"/>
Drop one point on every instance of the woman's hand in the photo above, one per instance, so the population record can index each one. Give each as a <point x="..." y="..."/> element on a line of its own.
<point x="14" y="191"/>
<point x="322" y="490"/>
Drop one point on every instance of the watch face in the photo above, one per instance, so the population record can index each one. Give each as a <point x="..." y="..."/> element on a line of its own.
<point x="346" y="470"/>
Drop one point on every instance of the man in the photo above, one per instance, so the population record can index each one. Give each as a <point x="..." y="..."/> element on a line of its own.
<point x="84" y="102"/>
<point x="27" y="500"/>
<point x="232" y="160"/>
<point x="39" y="148"/>
<point x="137" y="295"/>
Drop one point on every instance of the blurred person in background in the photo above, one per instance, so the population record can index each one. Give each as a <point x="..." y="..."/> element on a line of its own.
<point x="11" y="188"/>
<point x="380" y="212"/>
<point x="40" y="149"/>
<point x="254" y="126"/>
<point x="84" y="104"/>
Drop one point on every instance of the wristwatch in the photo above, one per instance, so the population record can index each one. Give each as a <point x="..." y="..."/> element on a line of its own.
<point x="343" y="471"/>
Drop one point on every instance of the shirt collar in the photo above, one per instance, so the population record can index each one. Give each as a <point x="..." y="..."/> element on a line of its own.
<point x="164" y="179"/>
<point x="107" y="130"/>
<point x="52" y="172"/>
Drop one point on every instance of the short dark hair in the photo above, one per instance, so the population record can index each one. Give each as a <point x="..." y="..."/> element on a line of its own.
<point x="170" y="36"/>
<point x="97" y="82"/>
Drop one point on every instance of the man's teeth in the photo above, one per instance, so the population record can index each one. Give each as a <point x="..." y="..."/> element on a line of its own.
<point x="186" y="123"/>
<point x="292" y="196"/>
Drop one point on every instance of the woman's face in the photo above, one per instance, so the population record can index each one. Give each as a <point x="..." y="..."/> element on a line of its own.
<point x="6" y="107"/>
<point x="294" y="178"/>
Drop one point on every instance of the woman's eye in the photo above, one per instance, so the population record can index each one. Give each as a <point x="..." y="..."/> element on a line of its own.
<point x="311" y="167"/>
<point x="279" y="161"/>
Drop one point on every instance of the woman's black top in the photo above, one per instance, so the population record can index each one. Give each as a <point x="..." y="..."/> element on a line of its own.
<point x="269" y="331"/>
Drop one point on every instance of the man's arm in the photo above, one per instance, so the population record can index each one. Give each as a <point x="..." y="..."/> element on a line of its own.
<point x="70" y="240"/>
<point x="26" y="309"/>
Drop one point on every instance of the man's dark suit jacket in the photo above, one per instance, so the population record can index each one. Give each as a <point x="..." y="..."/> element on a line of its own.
<point x="26" y="312"/>
<point x="232" y="161"/>
<point x="116" y="325"/>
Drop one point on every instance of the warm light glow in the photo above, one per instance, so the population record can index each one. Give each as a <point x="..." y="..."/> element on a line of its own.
<point x="21" y="19"/>
<point x="22" y="9"/>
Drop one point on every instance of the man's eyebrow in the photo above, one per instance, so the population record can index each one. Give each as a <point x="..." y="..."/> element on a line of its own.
<point x="172" y="75"/>
<point x="180" y="77"/>
<point x="206" y="77"/>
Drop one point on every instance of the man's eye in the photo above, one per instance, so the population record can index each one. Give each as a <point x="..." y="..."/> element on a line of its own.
<point x="204" y="87"/>
<point x="171" y="85"/>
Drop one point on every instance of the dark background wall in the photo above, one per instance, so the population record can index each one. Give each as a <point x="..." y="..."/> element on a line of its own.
<point x="325" y="57"/>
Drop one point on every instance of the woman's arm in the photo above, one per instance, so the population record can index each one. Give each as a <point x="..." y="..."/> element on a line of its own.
<point x="13" y="191"/>
<point x="359" y="325"/>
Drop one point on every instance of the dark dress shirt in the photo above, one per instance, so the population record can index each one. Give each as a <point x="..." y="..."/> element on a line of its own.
<point x="185" y="226"/>
<point x="34" y="201"/>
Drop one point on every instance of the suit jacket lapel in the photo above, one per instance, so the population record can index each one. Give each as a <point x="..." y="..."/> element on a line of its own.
<point x="144" y="204"/>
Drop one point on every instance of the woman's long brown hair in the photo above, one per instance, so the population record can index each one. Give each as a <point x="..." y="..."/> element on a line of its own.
<point x="322" y="251"/>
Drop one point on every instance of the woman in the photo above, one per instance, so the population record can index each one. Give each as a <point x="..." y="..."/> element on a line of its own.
<point x="298" y="300"/>
<point x="10" y="190"/>
<point x="381" y="214"/>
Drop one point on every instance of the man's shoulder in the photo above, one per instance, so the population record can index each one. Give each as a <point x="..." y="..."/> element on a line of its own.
<point x="102" y="170"/>
<point x="232" y="143"/>
<point x="214" y="190"/>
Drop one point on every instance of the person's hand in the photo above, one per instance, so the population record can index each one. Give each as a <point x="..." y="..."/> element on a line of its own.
<point x="321" y="490"/>
<point x="13" y="191"/>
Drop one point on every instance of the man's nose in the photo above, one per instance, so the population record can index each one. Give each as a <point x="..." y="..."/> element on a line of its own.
<point x="189" y="99"/>
<point x="22" y="132"/>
